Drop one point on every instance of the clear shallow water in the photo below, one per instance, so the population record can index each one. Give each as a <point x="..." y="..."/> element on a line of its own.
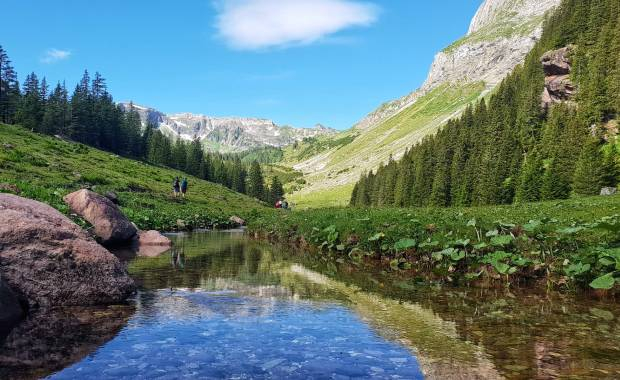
<point x="222" y="306"/>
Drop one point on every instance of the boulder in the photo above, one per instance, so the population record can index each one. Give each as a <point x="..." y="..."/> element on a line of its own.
<point x="153" y="238"/>
<point x="50" y="261"/>
<point x="607" y="191"/>
<point x="109" y="223"/>
<point x="10" y="309"/>
<point x="237" y="220"/>
<point x="112" y="196"/>
<point x="557" y="62"/>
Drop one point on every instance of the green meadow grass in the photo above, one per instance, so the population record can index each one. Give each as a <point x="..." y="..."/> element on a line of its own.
<point x="47" y="168"/>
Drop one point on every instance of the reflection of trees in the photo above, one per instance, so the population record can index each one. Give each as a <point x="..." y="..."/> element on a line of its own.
<point x="49" y="340"/>
<point x="524" y="333"/>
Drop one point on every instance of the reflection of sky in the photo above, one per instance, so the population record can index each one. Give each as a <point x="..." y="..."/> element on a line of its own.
<point x="223" y="335"/>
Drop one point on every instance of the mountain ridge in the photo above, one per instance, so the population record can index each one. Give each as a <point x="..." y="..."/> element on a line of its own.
<point x="229" y="133"/>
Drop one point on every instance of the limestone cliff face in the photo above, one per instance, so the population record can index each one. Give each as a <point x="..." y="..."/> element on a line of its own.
<point x="500" y="35"/>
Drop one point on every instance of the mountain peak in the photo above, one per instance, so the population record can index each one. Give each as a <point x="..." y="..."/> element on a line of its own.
<point x="226" y="134"/>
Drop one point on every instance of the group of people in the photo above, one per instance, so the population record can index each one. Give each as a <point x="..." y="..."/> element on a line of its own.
<point x="282" y="203"/>
<point x="179" y="187"/>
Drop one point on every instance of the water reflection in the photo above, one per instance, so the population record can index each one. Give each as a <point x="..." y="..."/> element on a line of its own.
<point x="50" y="340"/>
<point x="221" y="305"/>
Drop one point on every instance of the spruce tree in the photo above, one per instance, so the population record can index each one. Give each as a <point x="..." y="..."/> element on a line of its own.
<point x="256" y="183"/>
<point x="590" y="169"/>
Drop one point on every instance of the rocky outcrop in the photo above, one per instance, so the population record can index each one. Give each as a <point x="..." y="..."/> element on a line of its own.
<point x="237" y="220"/>
<point x="558" y="85"/>
<point x="49" y="261"/>
<point x="109" y="223"/>
<point x="500" y="35"/>
<point x="228" y="133"/>
<point x="10" y="308"/>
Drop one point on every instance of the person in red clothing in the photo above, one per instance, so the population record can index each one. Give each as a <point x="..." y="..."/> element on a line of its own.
<point x="279" y="203"/>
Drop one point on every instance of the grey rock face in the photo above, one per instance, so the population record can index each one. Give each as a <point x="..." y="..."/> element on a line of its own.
<point x="500" y="35"/>
<point x="558" y="85"/>
<point x="227" y="134"/>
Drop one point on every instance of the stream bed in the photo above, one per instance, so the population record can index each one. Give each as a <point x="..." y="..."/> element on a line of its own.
<point x="220" y="305"/>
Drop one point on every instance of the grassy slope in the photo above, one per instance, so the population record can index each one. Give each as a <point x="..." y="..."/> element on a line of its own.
<point x="331" y="185"/>
<point x="564" y="233"/>
<point x="46" y="168"/>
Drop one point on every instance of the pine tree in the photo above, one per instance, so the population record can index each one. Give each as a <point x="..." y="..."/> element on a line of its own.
<point x="195" y="158"/>
<point x="590" y="169"/>
<point x="276" y="191"/>
<point x="9" y="89"/>
<point x="57" y="115"/>
<point x="256" y="183"/>
<point x="31" y="107"/>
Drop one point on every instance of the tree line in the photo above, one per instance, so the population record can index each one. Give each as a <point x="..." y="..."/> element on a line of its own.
<point x="90" y="116"/>
<point x="509" y="148"/>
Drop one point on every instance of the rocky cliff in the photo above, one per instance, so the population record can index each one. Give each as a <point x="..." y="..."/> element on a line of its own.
<point x="227" y="134"/>
<point x="500" y="35"/>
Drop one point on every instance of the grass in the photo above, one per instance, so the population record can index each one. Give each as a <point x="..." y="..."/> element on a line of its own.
<point x="569" y="242"/>
<point x="332" y="184"/>
<point x="47" y="168"/>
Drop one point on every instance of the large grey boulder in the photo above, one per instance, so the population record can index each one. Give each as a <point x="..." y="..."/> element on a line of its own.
<point x="49" y="261"/>
<point x="110" y="225"/>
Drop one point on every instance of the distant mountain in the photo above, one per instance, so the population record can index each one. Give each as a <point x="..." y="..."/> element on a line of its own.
<point x="227" y="134"/>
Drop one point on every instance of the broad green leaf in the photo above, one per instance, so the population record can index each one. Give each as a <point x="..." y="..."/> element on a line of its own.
<point x="457" y="255"/>
<point x="604" y="282"/>
<point x="404" y="244"/>
<point x="501" y="240"/>
<point x="492" y="233"/>
<point x="501" y="267"/>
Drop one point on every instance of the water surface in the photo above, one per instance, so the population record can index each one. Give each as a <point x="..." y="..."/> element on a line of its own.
<point x="220" y="305"/>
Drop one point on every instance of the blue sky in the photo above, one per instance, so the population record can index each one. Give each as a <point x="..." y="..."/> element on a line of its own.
<point x="298" y="62"/>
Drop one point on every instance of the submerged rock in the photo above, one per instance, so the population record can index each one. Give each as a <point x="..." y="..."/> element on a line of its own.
<point x="111" y="226"/>
<point x="153" y="238"/>
<point x="49" y="261"/>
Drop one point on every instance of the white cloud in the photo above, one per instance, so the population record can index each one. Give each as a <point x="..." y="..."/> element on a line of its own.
<point x="259" y="24"/>
<point x="55" y="55"/>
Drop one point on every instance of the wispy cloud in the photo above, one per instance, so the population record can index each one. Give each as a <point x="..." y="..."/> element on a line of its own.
<point x="260" y="24"/>
<point x="55" y="55"/>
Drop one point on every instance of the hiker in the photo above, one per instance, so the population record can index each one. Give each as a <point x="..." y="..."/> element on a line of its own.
<point x="284" y="204"/>
<point x="176" y="187"/>
<point x="184" y="187"/>
<point x="278" y="203"/>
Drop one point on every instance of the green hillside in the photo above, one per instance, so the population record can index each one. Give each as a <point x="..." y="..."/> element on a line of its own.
<point x="47" y="168"/>
<point x="333" y="164"/>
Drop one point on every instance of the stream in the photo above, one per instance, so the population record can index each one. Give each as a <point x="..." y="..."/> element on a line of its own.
<point x="221" y="305"/>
